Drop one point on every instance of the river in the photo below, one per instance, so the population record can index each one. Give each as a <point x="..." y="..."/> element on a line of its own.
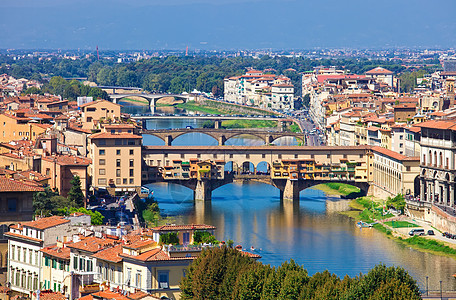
<point x="310" y="231"/>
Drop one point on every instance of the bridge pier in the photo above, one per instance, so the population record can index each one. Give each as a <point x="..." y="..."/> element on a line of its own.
<point x="221" y="140"/>
<point x="291" y="191"/>
<point x="168" y="140"/>
<point x="203" y="191"/>
<point x="218" y="124"/>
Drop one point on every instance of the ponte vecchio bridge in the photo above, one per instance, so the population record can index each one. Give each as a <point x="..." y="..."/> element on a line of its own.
<point x="289" y="168"/>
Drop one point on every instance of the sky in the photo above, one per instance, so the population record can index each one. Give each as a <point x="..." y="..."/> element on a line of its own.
<point x="226" y="24"/>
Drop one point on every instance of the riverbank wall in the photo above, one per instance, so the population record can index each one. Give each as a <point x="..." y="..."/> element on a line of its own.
<point x="433" y="215"/>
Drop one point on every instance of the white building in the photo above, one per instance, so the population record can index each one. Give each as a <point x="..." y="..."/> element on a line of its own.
<point x="24" y="244"/>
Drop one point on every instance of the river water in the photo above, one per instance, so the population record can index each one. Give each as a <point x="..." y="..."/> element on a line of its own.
<point x="310" y="231"/>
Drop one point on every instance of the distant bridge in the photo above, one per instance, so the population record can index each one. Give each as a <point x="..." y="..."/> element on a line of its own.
<point x="151" y="98"/>
<point x="349" y="165"/>
<point x="222" y="135"/>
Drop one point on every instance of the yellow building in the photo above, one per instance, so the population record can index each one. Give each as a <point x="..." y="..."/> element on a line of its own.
<point x="116" y="158"/>
<point x="55" y="268"/>
<point x="15" y="126"/>
<point x="99" y="110"/>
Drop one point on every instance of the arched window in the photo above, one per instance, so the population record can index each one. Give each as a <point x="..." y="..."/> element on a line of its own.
<point x="424" y="160"/>
<point x="430" y="157"/>
<point x="435" y="158"/>
<point x="440" y="160"/>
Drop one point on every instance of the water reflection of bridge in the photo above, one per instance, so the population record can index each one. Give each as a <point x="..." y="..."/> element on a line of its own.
<point x="327" y="162"/>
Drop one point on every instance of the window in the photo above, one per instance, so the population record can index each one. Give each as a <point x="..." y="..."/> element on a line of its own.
<point x="102" y="162"/>
<point x="13" y="252"/>
<point x="124" y="180"/>
<point x="131" y="151"/>
<point x="131" y="181"/>
<point x="12" y="204"/>
<point x="118" y="180"/>
<point x="132" y="163"/>
<point x="138" y="280"/>
<point x="54" y="264"/>
<point x="118" y="142"/>
<point x="101" y="151"/>
<point x="132" y="173"/>
<point x="118" y="152"/>
<point x="131" y="142"/>
<point x="102" y="171"/>
<point x="118" y="173"/>
<point x="163" y="279"/>
<point x="102" y="142"/>
<point x="401" y="137"/>
<point x="102" y="181"/>
<point x="47" y="261"/>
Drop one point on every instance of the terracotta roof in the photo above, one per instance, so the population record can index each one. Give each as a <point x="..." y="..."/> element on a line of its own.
<point x="110" y="254"/>
<point x="108" y="135"/>
<point x="438" y="124"/>
<point x="60" y="252"/>
<point x="12" y="234"/>
<point x="11" y="185"/>
<point x="183" y="227"/>
<point x="107" y="294"/>
<point x="379" y="70"/>
<point x="139" y="244"/>
<point x="98" y="101"/>
<point x="414" y="129"/>
<point x="50" y="295"/>
<point x="45" y="223"/>
<point x="68" y="160"/>
<point x="393" y="154"/>
<point x="156" y="254"/>
<point x="93" y="244"/>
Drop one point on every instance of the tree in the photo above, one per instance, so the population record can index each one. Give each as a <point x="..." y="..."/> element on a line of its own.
<point x="42" y="203"/>
<point x="33" y="91"/>
<point x="169" y="238"/>
<point x="397" y="202"/>
<point x="204" y="237"/>
<point x="75" y="194"/>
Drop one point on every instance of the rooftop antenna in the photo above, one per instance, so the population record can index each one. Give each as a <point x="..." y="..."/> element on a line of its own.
<point x="186" y="51"/>
<point x="98" y="55"/>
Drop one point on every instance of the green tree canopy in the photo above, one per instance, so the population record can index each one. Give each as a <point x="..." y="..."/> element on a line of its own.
<point x="75" y="194"/>
<point x="224" y="273"/>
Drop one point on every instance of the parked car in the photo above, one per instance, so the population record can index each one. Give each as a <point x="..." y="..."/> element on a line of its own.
<point x="416" y="232"/>
<point x="430" y="232"/>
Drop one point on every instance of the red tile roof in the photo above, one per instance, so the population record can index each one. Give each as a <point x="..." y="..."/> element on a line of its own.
<point x="438" y="124"/>
<point x="110" y="254"/>
<point x="11" y="185"/>
<point x="379" y="71"/>
<point x="68" y="160"/>
<point x="156" y="254"/>
<point x="393" y="154"/>
<point x="12" y="234"/>
<point x="45" y="223"/>
<point x="59" y="252"/>
<point x="50" y="295"/>
<point x="93" y="244"/>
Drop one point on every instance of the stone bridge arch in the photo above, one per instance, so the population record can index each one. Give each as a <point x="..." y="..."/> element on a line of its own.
<point x="228" y="136"/>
